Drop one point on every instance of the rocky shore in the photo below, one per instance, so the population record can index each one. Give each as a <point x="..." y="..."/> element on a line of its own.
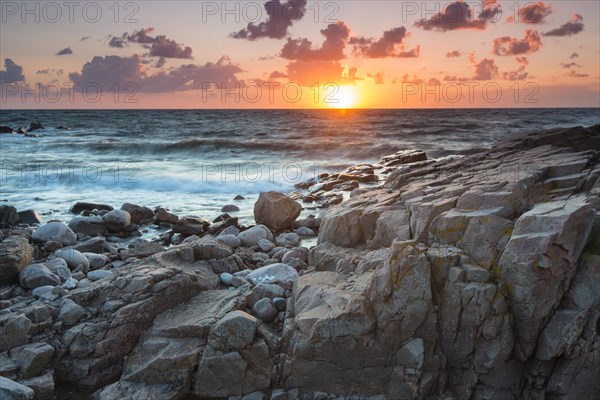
<point x="461" y="278"/>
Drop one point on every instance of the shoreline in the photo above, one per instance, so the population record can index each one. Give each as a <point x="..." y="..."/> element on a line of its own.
<point x="515" y="227"/>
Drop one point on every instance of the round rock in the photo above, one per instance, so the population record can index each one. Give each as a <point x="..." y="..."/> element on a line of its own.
<point x="117" y="220"/>
<point x="265" y="310"/>
<point x="230" y="240"/>
<point x="55" y="231"/>
<point x="73" y="258"/>
<point x="37" y="275"/>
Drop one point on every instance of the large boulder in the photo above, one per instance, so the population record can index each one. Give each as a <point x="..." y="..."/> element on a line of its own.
<point x="276" y="210"/>
<point x="30" y="217"/>
<point x="55" y="231"/>
<point x="539" y="262"/>
<point x="138" y="213"/>
<point x="8" y="217"/>
<point x="15" y="254"/>
<point x="117" y="220"/>
<point x="37" y="275"/>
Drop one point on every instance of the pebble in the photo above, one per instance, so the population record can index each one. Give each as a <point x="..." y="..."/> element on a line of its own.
<point x="226" y="278"/>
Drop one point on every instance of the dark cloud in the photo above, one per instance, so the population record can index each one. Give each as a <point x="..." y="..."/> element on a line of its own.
<point x="158" y="46"/>
<point x="65" y="52"/>
<point x="277" y="75"/>
<point x="11" y="73"/>
<point x="520" y="74"/>
<point x="507" y="46"/>
<point x="459" y="15"/>
<point x="83" y="39"/>
<point x="485" y="70"/>
<point x="281" y="17"/>
<point x="377" y="78"/>
<point x="116" y="42"/>
<point x="573" y="74"/>
<point x="160" y="62"/>
<point x="332" y="48"/>
<point x="572" y="27"/>
<point x="106" y="71"/>
<point x="391" y="44"/>
<point x="50" y="71"/>
<point x="453" y="54"/>
<point x="569" y="65"/>
<point x="573" y="56"/>
<point x="533" y="13"/>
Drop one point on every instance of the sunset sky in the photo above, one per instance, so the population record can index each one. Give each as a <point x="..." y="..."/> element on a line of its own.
<point x="300" y="54"/>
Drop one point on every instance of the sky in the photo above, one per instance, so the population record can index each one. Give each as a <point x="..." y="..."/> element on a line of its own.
<point x="299" y="54"/>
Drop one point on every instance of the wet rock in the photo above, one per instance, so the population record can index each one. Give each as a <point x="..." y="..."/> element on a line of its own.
<point x="164" y="216"/>
<point x="116" y="220"/>
<point x="29" y="217"/>
<point x="276" y="210"/>
<point x="34" y="126"/>
<point x="191" y="226"/>
<point x="6" y="129"/>
<point x="403" y="157"/>
<point x="55" y="231"/>
<point x="83" y="206"/>
<point x="92" y="226"/>
<point x="8" y="217"/>
<point x="230" y="208"/>
<point x="138" y="213"/>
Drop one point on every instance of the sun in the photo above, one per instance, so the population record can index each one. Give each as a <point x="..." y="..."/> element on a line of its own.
<point x="343" y="97"/>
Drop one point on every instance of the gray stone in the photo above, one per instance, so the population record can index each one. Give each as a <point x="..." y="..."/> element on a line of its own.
<point x="234" y="331"/>
<point x="280" y="274"/>
<point x="230" y="240"/>
<point x="36" y="275"/>
<point x="226" y="278"/>
<point x="230" y="208"/>
<point x="276" y="210"/>
<point x="250" y="237"/>
<point x="138" y="213"/>
<point x="92" y="226"/>
<point x="42" y="290"/>
<point x="15" y="254"/>
<point x="70" y="312"/>
<point x="70" y="284"/>
<point x="59" y="266"/>
<point x="73" y="258"/>
<point x="265" y="310"/>
<point x="99" y="274"/>
<point x="10" y="390"/>
<point x="32" y="358"/>
<point x="55" y="231"/>
<point x="96" y="261"/>
<point x="265" y="245"/>
<point x="305" y="232"/>
<point x="116" y="220"/>
<point x="288" y="239"/>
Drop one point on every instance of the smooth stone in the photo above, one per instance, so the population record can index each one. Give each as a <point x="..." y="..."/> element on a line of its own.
<point x="226" y="278"/>
<point x="84" y="283"/>
<point x="288" y="239"/>
<point x="266" y="245"/>
<point x="230" y="230"/>
<point x="250" y="237"/>
<point x="42" y="290"/>
<point x="84" y="206"/>
<point x="70" y="284"/>
<point x="264" y="310"/>
<point x="59" y="267"/>
<point x="230" y="208"/>
<point x="116" y="220"/>
<point x="280" y="303"/>
<point x="97" y="261"/>
<point x="278" y="273"/>
<point x="91" y="226"/>
<point x="55" y="231"/>
<point x="230" y="240"/>
<point x="36" y="275"/>
<point x="138" y="213"/>
<point x="73" y="258"/>
<point x="306" y="232"/>
<point x="99" y="274"/>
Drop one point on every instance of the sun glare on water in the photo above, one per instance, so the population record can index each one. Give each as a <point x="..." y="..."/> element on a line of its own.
<point x="343" y="97"/>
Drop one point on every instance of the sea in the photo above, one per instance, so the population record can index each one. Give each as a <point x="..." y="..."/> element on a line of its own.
<point x="193" y="162"/>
